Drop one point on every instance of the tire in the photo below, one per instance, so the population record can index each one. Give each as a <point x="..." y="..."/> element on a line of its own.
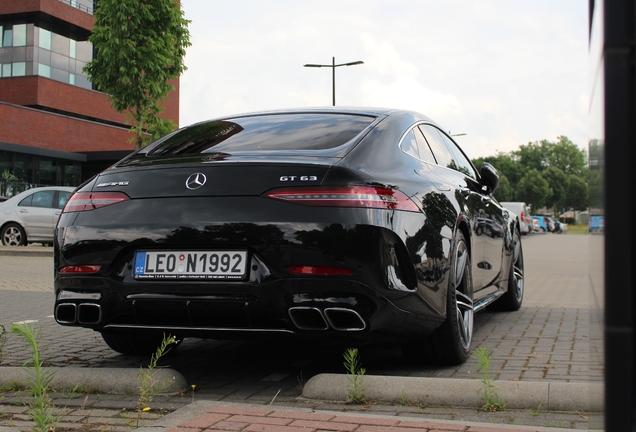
<point x="13" y="235"/>
<point x="513" y="298"/>
<point x="450" y="344"/>
<point x="135" y="343"/>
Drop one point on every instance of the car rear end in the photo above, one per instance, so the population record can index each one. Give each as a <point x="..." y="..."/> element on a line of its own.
<point x="199" y="238"/>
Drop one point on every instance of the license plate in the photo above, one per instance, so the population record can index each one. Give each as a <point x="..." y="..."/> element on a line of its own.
<point x="219" y="265"/>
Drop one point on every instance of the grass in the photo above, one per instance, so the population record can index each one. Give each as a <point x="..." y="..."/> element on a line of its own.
<point x="577" y="229"/>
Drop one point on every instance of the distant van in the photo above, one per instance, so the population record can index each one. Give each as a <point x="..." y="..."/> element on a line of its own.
<point x="525" y="220"/>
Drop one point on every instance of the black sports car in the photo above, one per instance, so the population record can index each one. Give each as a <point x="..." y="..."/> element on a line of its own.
<point x="358" y="224"/>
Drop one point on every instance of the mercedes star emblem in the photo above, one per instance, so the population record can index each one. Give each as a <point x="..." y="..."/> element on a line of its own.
<point x="195" y="181"/>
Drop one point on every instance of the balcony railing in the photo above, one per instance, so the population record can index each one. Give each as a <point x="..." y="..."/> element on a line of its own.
<point x="87" y="6"/>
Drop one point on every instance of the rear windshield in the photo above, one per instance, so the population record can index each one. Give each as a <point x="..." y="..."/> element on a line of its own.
<point x="276" y="132"/>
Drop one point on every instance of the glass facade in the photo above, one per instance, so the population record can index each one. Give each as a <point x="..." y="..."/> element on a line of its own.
<point x="21" y="171"/>
<point x="32" y="49"/>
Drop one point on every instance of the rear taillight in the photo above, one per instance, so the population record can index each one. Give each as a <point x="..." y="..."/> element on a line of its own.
<point x="319" y="270"/>
<point x="80" y="269"/>
<point x="345" y="196"/>
<point x="85" y="201"/>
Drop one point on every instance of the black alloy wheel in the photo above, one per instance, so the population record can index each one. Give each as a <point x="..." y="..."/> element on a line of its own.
<point x="513" y="298"/>
<point x="451" y="343"/>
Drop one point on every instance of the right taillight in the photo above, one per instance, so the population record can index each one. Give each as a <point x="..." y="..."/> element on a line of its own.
<point x="86" y="201"/>
<point x="345" y="196"/>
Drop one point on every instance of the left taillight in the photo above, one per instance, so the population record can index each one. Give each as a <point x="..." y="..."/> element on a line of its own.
<point x="86" y="201"/>
<point x="345" y="196"/>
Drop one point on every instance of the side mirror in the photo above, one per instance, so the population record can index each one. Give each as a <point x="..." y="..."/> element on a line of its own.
<point x="489" y="177"/>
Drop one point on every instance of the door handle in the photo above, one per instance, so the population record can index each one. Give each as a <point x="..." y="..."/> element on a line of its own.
<point x="486" y="199"/>
<point x="464" y="191"/>
<point x="24" y="211"/>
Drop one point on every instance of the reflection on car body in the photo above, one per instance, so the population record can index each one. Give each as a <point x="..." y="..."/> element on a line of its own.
<point x="353" y="225"/>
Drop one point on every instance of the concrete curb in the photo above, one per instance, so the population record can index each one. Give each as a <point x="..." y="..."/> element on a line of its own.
<point x="102" y="380"/>
<point x="26" y="251"/>
<point x="551" y="396"/>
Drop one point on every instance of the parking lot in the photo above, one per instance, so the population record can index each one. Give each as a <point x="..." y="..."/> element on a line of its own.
<point x="548" y="339"/>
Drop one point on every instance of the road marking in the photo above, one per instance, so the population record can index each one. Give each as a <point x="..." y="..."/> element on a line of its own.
<point x="25" y="322"/>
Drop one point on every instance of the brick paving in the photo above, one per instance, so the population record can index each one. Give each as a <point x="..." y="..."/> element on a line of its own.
<point x="548" y="339"/>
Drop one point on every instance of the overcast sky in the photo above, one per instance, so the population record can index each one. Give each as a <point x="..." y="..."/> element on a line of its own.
<point x="503" y="72"/>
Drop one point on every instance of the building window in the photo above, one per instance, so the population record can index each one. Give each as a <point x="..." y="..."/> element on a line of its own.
<point x="19" y="69"/>
<point x="44" y="70"/>
<point x="32" y="50"/>
<point x="45" y="39"/>
<point x="19" y="35"/>
<point x="7" y="36"/>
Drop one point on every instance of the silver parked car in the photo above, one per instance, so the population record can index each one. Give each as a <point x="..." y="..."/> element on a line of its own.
<point x="31" y="216"/>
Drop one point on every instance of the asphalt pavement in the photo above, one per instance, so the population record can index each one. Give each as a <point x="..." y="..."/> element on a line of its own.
<point x="546" y="366"/>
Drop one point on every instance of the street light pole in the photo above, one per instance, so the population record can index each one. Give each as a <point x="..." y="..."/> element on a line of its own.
<point x="333" y="67"/>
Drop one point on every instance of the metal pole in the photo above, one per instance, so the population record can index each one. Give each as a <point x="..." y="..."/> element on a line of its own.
<point x="333" y="79"/>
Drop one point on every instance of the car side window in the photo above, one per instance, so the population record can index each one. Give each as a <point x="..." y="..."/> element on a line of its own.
<point x="409" y="145"/>
<point x="43" y="199"/>
<point x="438" y="146"/>
<point x="62" y="197"/>
<point x="425" y="151"/>
<point x="463" y="164"/>
<point x="26" y="202"/>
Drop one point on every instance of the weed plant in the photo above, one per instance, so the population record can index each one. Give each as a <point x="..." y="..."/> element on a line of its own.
<point x="3" y="341"/>
<point x="148" y="387"/>
<point x="488" y="390"/>
<point x="38" y="380"/>
<point x="355" y="375"/>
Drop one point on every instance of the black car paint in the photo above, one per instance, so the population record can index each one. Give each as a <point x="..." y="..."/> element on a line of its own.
<point x="401" y="259"/>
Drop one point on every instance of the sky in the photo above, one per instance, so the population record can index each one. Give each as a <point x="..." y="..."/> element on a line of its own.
<point x="497" y="73"/>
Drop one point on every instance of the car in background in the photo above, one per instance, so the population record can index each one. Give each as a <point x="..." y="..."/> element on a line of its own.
<point x="30" y="216"/>
<point x="520" y="209"/>
<point x="3" y="198"/>
<point x="315" y="224"/>
<point x="545" y="224"/>
<point x="597" y="224"/>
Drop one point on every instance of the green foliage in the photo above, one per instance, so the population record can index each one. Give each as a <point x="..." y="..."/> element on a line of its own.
<point x="535" y="189"/>
<point x="38" y="381"/>
<point x="556" y="163"/>
<point x="140" y="47"/>
<point x="577" y="193"/>
<point x="504" y="192"/>
<point x="557" y="181"/>
<point x="355" y="374"/>
<point x="488" y="391"/>
<point x="148" y="387"/>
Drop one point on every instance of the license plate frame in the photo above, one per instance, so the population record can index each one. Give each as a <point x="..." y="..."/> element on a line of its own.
<point x="219" y="265"/>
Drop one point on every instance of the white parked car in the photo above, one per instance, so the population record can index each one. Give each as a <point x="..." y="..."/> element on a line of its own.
<point x="525" y="220"/>
<point x="31" y="216"/>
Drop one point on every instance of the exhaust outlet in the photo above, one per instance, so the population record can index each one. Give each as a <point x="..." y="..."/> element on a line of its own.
<point x="308" y="318"/>
<point x="66" y="313"/>
<point x="89" y="313"/>
<point x="343" y="319"/>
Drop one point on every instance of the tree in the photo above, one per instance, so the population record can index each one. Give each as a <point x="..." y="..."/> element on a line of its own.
<point x="504" y="191"/>
<point x="558" y="182"/>
<point x="577" y="193"/>
<point x="140" y="45"/>
<point x="566" y="156"/>
<point x="534" y="189"/>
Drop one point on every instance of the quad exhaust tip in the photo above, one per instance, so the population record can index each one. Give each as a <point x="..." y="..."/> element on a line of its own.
<point x="83" y="313"/>
<point x="314" y="319"/>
